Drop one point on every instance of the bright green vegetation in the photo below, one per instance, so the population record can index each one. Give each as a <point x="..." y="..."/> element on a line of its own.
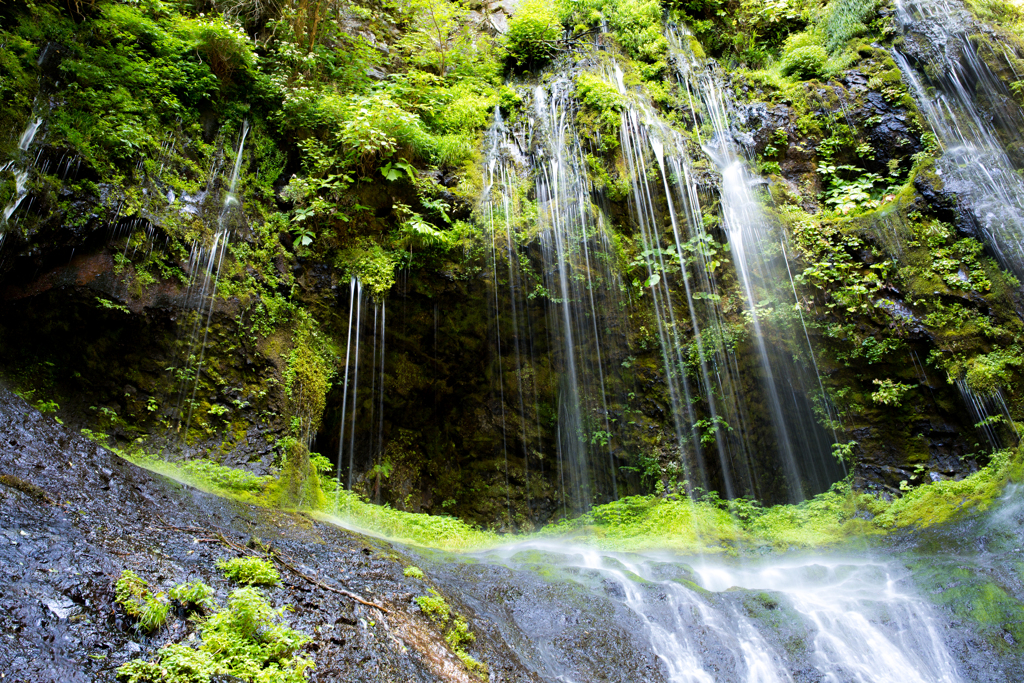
<point x="712" y="525"/>
<point x="454" y="627"/>
<point x="532" y="32"/>
<point x="133" y="595"/>
<point x="671" y="521"/>
<point x="194" y="595"/>
<point x="250" y="570"/>
<point x="248" y="640"/>
<point x="414" y="572"/>
<point x="943" y="500"/>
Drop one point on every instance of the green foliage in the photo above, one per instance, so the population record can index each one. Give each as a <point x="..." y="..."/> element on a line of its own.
<point x="246" y="640"/>
<point x="846" y="283"/>
<point x="249" y="570"/>
<point x="454" y="626"/>
<point x="137" y="72"/>
<point x="414" y="572"/>
<point x="941" y="501"/>
<point x="435" y="607"/>
<point x="533" y="33"/>
<point x="844" y="452"/>
<point x="132" y="593"/>
<point x="372" y="264"/>
<point x="986" y="373"/>
<point x="638" y="28"/>
<point x="806" y="62"/>
<point x="193" y="595"/>
<point x="890" y="393"/>
<point x="847" y="194"/>
<point x="440" y="37"/>
<point x="602" y="106"/>
<point x="436" y="531"/>
<point x="211" y="474"/>
<point x="225" y="46"/>
<point x="844" y="20"/>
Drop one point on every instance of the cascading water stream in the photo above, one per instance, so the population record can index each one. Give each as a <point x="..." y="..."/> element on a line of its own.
<point x="974" y="139"/>
<point x="361" y="420"/>
<point x="578" y="281"/>
<point x="204" y="269"/>
<point x="788" y="371"/>
<point x="715" y="417"/>
<point x="813" y="618"/>
<point x="20" y="167"/>
<point x="865" y="627"/>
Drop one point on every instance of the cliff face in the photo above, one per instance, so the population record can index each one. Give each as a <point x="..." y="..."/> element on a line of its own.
<point x="538" y="260"/>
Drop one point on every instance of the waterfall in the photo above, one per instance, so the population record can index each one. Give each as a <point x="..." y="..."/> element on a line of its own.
<point x="20" y="167"/>
<point x="643" y="135"/>
<point x="662" y="617"/>
<point x="355" y="307"/>
<point x="974" y="162"/>
<point x="361" y="420"/>
<point x="865" y="626"/>
<point x="785" y="455"/>
<point x="788" y="369"/>
<point x="577" y="282"/>
<point x="204" y="272"/>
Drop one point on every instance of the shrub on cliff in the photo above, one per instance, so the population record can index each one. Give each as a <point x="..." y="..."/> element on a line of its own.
<point x="533" y="32"/>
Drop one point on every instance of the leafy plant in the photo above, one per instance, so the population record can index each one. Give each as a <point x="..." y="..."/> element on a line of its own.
<point x="132" y="593"/>
<point x="247" y="640"/>
<point x="250" y="570"/>
<point x="890" y="393"/>
<point x="193" y="595"/>
<point x="532" y="32"/>
<point x="806" y="62"/>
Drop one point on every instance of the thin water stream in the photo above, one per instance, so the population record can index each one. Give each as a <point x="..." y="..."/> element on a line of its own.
<point x="562" y="259"/>
<point x="973" y="117"/>
<point x="20" y="168"/>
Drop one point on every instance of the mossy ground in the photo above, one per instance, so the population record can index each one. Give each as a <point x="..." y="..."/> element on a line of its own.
<point x="641" y="523"/>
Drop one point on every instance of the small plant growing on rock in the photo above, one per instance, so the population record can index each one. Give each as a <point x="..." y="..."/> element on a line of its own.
<point x="890" y="393"/>
<point x="250" y="570"/>
<point x="454" y="627"/>
<point x="194" y="595"/>
<point x="246" y="641"/>
<point x="133" y="595"/>
<point x="414" y="572"/>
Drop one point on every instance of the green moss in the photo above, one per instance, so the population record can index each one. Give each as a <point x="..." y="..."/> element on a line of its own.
<point x="25" y="487"/>
<point x="414" y="572"/>
<point x="944" y="500"/>
<point x="250" y="570"/>
<point x="454" y="627"/>
<point x="602" y="107"/>
<point x="299" y="484"/>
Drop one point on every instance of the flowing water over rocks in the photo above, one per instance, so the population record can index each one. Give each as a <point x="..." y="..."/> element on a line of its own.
<point x="974" y="117"/>
<point x="940" y="606"/>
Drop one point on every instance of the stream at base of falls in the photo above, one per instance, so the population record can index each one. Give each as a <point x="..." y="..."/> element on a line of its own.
<point x="938" y="606"/>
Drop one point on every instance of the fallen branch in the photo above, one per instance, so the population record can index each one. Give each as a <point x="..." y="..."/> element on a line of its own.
<point x="341" y="591"/>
